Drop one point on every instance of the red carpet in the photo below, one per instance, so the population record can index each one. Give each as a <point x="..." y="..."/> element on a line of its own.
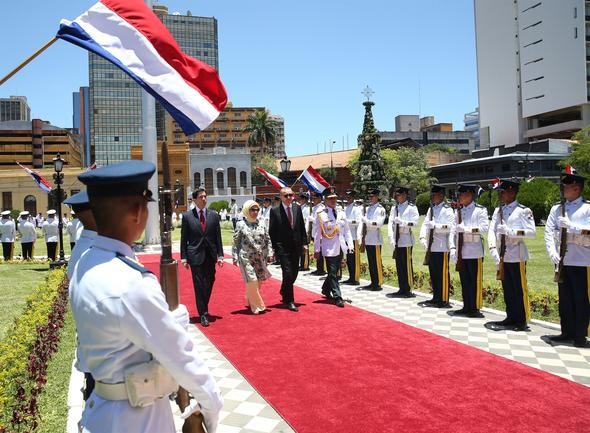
<point x="327" y="369"/>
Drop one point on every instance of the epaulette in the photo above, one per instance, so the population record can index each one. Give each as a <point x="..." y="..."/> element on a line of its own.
<point x="133" y="264"/>
<point x="521" y="206"/>
<point x="479" y="205"/>
<point x="446" y="205"/>
<point x="585" y="201"/>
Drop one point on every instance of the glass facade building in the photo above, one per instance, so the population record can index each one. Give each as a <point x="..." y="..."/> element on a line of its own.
<point x="14" y="108"/>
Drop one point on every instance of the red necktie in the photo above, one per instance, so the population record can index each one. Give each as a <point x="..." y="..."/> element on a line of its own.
<point x="202" y="219"/>
<point x="289" y="216"/>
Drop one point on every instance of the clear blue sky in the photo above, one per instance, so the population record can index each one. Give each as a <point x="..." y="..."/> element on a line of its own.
<point x="307" y="60"/>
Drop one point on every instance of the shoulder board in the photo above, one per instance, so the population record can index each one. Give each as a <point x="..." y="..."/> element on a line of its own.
<point x="586" y="201"/>
<point x="522" y="206"/>
<point x="478" y="205"/>
<point x="322" y="210"/>
<point x="411" y="204"/>
<point x="446" y="205"/>
<point x="557" y="203"/>
<point x="133" y="264"/>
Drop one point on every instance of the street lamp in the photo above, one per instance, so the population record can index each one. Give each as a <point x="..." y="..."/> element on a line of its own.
<point x="58" y="165"/>
<point x="285" y="164"/>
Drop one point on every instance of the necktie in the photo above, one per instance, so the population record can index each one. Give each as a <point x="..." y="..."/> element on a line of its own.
<point x="202" y="218"/>
<point x="289" y="216"/>
<point x="334" y="212"/>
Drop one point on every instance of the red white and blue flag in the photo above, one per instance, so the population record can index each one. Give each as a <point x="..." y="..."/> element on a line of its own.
<point x="313" y="180"/>
<point x="570" y="170"/>
<point x="39" y="180"/>
<point x="496" y="183"/>
<point x="275" y="181"/>
<point x="128" y="34"/>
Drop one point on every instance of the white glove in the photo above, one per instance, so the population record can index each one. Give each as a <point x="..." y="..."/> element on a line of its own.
<point x="210" y="419"/>
<point x="453" y="255"/>
<point x="181" y="316"/>
<point x="564" y="222"/>
<point x="502" y="229"/>
<point x="461" y="228"/>
<point x="398" y="220"/>
<point x="554" y="257"/>
<point x="430" y="224"/>
<point x="495" y="255"/>
<point x="424" y="243"/>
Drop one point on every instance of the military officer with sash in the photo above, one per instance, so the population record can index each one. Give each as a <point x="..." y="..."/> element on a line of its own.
<point x="332" y="238"/>
<point x="318" y="205"/>
<point x="436" y="240"/>
<point x="471" y="225"/>
<point x="369" y="233"/>
<point x="354" y="216"/>
<point x="571" y="216"/>
<point x="402" y="218"/>
<point x="7" y="235"/>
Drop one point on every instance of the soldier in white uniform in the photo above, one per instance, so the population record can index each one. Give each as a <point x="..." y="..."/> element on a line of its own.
<point x="402" y="218"/>
<point x="436" y="240"/>
<point x="369" y="233"/>
<point x="514" y="222"/>
<point x="332" y="238"/>
<point x="354" y="216"/>
<point x="265" y="211"/>
<point x="316" y="200"/>
<point x="28" y="234"/>
<point x="125" y="331"/>
<point x="7" y="235"/>
<point x="306" y="212"/>
<point x="50" y="230"/>
<point x="234" y="211"/>
<point x="573" y="217"/>
<point x="471" y="226"/>
<point x="74" y="229"/>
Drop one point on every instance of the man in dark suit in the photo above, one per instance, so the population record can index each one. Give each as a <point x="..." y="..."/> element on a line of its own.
<point x="201" y="248"/>
<point x="288" y="237"/>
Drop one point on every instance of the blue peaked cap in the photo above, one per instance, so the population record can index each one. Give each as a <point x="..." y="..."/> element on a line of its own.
<point x="128" y="178"/>
<point x="79" y="198"/>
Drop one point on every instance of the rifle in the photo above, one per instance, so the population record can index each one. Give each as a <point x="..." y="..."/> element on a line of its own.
<point x="396" y="230"/>
<point x="430" y="236"/>
<point x="558" y="278"/>
<point x="364" y="231"/>
<point x="459" y="263"/>
<point x="169" y="279"/>
<point x="502" y="252"/>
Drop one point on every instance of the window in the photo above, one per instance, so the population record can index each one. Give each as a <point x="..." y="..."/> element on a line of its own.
<point x="243" y="179"/>
<point x="231" y="178"/>
<point x="30" y="204"/>
<point x="7" y="200"/>
<point x="220" y="180"/>
<point x="196" y="180"/>
<point x="209" y="180"/>
<point x="505" y="167"/>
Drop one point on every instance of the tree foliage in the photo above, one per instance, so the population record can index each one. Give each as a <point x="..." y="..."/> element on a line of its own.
<point x="262" y="130"/>
<point x="265" y="161"/>
<point x="437" y="147"/>
<point x="539" y="195"/>
<point x="580" y="156"/>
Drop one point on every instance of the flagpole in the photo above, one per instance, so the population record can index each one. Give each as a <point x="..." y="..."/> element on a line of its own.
<point x="28" y="60"/>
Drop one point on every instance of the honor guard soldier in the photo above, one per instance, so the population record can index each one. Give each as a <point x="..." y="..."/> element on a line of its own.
<point x="80" y="204"/>
<point x="354" y="216"/>
<point x="134" y="347"/>
<point x="74" y="228"/>
<point x="511" y="223"/>
<point x="437" y="242"/>
<point x="265" y="211"/>
<point x="471" y="225"/>
<point x="331" y="239"/>
<point x="316" y="200"/>
<point x="568" y="225"/>
<point x="28" y="234"/>
<point x="7" y="235"/>
<point x="50" y="230"/>
<point x="306" y="212"/>
<point x="369" y="232"/>
<point x="402" y="217"/>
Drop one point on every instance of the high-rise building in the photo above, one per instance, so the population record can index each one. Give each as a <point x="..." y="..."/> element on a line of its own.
<point x="14" y="108"/>
<point x="81" y="122"/>
<point x="471" y="122"/>
<point x="279" y="148"/>
<point x="532" y="69"/>
<point x="115" y="99"/>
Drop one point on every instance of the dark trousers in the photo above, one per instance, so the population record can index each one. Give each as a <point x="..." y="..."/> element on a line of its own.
<point x="438" y="267"/>
<point x="405" y="269"/>
<point x="331" y="288"/>
<point x="471" y="283"/>
<point x="516" y="293"/>
<point x="353" y="263"/>
<point x="234" y="221"/>
<point x="304" y="259"/>
<point x="51" y="250"/>
<point x="320" y="264"/>
<point x="574" y="309"/>
<point x="72" y="245"/>
<point x="27" y="250"/>
<point x="375" y="264"/>
<point x="203" y="279"/>
<point x="290" y="268"/>
<point x="7" y="249"/>
<point x="88" y="386"/>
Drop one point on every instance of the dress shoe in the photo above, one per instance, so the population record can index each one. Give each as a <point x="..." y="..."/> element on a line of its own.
<point x="291" y="306"/>
<point x="443" y="304"/>
<point x="317" y="273"/>
<point x="520" y="327"/>
<point x="204" y="321"/>
<point x="560" y="337"/>
<point x="400" y="294"/>
<point x="581" y="342"/>
<point x="367" y="287"/>
<point x="461" y="312"/>
<point x="474" y="314"/>
<point x="376" y="289"/>
<point x="340" y="303"/>
<point x="351" y="282"/>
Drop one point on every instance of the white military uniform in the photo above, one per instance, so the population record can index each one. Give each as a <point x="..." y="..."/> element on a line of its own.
<point x="408" y="216"/>
<point x="578" y="232"/>
<point x="85" y="241"/>
<point x="521" y="224"/>
<point x="74" y="229"/>
<point x="373" y="220"/>
<point x="342" y="241"/>
<point x="122" y="319"/>
<point x="27" y="230"/>
<point x="444" y="221"/>
<point x="306" y="213"/>
<point x="475" y="225"/>
<point x="7" y="230"/>
<point x="314" y="215"/>
<point x="264" y="215"/>
<point x="50" y="229"/>
<point x="354" y="216"/>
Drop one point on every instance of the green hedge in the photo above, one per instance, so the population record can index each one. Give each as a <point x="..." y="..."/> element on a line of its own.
<point x="25" y="351"/>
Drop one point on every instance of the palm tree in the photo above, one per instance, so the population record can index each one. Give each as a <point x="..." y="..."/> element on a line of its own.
<point x="262" y="131"/>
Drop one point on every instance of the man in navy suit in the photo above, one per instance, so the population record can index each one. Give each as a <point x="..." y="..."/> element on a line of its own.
<point x="288" y="237"/>
<point x="201" y="248"/>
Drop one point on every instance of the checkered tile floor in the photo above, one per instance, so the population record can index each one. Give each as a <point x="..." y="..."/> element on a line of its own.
<point x="246" y="411"/>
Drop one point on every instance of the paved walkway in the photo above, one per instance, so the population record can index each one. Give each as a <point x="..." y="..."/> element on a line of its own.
<point x="245" y="411"/>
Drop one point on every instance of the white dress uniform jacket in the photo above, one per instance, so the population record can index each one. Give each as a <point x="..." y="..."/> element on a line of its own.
<point x="578" y="232"/>
<point x="27" y="231"/>
<point x="409" y="216"/>
<point x="122" y="319"/>
<point x="373" y="220"/>
<point x="314" y="215"/>
<point x="50" y="229"/>
<point x="84" y="243"/>
<point x="7" y="230"/>
<point x="342" y="241"/>
<point x="74" y="229"/>
<point x="444" y="222"/>
<point x="306" y="213"/>
<point x="264" y="215"/>
<point x="521" y="224"/>
<point x="354" y="216"/>
<point x="475" y="224"/>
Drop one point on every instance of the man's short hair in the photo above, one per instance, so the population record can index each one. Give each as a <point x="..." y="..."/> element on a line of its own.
<point x="198" y="191"/>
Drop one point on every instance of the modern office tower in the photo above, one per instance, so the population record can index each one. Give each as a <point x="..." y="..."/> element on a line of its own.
<point x="471" y="122"/>
<point x="14" y="108"/>
<point x="81" y="122"/>
<point x="115" y="99"/>
<point x="532" y="69"/>
<point x="279" y="148"/>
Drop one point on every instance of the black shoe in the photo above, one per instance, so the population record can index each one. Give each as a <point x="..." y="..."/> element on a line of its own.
<point x="376" y="289"/>
<point x="520" y="327"/>
<point x="291" y="306"/>
<point x="204" y="321"/>
<point x="461" y="312"/>
<point x="474" y="314"/>
<point x="367" y="287"/>
<point x="443" y="304"/>
<point x="400" y="294"/>
<point x="498" y="326"/>
<point x="351" y="282"/>
<point x="317" y="273"/>
<point x="340" y="303"/>
<point x="560" y="338"/>
<point x="581" y="342"/>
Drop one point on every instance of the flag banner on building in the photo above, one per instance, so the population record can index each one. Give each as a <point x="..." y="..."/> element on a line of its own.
<point x="39" y="180"/>
<point x="128" y="34"/>
<point x="275" y="181"/>
<point x="313" y="180"/>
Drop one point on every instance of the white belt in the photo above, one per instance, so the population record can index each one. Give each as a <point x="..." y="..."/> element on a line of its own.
<point x="111" y="391"/>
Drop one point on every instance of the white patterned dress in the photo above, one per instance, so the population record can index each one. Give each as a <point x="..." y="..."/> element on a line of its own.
<point x="251" y="248"/>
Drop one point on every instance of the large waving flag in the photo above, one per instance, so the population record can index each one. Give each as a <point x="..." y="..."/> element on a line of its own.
<point x="41" y="182"/>
<point x="275" y="181"/>
<point x="313" y="180"/>
<point x="128" y="34"/>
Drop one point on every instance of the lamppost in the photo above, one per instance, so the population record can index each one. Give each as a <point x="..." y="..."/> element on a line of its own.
<point x="285" y="164"/>
<point x="58" y="165"/>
